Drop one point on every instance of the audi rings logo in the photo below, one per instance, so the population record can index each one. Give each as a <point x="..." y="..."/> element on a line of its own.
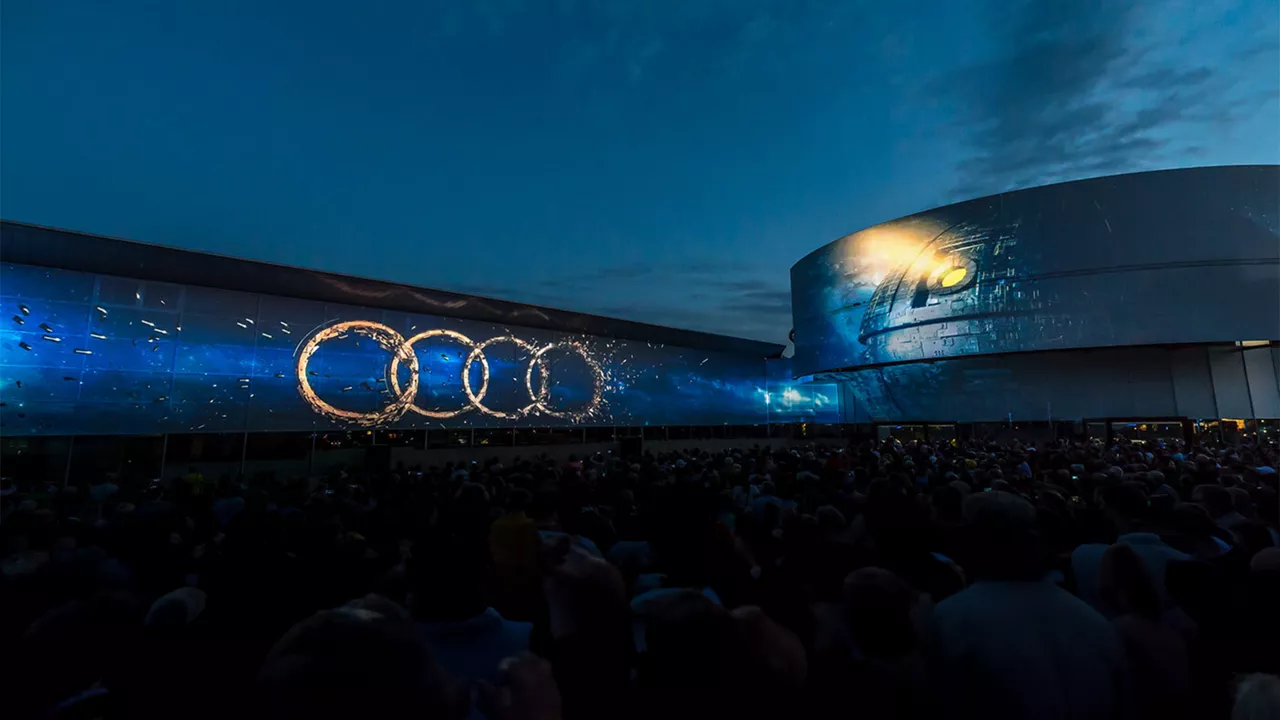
<point x="403" y="396"/>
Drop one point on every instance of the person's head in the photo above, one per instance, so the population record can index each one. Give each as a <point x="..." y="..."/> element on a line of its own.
<point x="1192" y="527"/>
<point x="1251" y="537"/>
<point x="1215" y="499"/>
<point x="472" y="496"/>
<point x="689" y="643"/>
<point x="154" y="491"/>
<point x="879" y="607"/>
<point x="1126" y="585"/>
<point x="1241" y="501"/>
<point x="1268" y="506"/>
<point x="226" y="488"/>
<point x="830" y="520"/>
<point x="71" y="647"/>
<point x="362" y="660"/>
<point x="700" y="661"/>
<point x="947" y="503"/>
<point x="1003" y="535"/>
<point x="518" y="501"/>
<point x="1266" y="562"/>
<point x="545" y="509"/>
<point x="176" y="609"/>
<point x="1257" y="698"/>
<point x="626" y="500"/>
<point x="1125" y="503"/>
<point x="772" y="655"/>
<point x="448" y="577"/>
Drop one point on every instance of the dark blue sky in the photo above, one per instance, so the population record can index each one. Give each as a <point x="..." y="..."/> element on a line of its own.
<point x="654" y="160"/>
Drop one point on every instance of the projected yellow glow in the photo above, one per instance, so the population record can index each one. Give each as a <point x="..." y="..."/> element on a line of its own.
<point x="954" y="277"/>
<point x="895" y="247"/>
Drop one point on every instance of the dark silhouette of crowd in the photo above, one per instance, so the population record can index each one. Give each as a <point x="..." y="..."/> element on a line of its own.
<point x="978" y="579"/>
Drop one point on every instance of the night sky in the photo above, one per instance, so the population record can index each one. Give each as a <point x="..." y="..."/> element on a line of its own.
<point x="664" y="161"/>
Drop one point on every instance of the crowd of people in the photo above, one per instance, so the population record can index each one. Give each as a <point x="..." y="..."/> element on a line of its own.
<point x="1065" y="579"/>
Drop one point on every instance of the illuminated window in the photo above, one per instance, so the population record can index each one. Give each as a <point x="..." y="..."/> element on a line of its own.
<point x="954" y="277"/>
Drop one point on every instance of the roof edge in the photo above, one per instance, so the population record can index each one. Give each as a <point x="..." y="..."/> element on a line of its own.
<point x="44" y="246"/>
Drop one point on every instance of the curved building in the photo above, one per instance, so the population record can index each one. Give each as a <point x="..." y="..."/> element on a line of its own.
<point x="1152" y="294"/>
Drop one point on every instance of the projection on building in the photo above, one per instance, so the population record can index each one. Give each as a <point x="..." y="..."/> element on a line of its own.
<point x="95" y="354"/>
<point x="1116" y="261"/>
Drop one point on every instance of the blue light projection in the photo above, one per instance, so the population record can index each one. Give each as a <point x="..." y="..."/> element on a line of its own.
<point x="799" y="400"/>
<point x="1113" y="261"/>
<point x="96" y="354"/>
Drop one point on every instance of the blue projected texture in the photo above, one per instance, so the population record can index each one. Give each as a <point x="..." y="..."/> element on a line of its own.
<point x="1181" y="256"/>
<point x="94" y="354"/>
<point x="799" y="401"/>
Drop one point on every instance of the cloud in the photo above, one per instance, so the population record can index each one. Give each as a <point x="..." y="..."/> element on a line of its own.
<point x="1080" y="91"/>
<point x="628" y="40"/>
<point x="726" y="297"/>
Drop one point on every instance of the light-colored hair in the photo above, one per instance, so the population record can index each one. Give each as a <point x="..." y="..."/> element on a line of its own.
<point x="1005" y="534"/>
<point x="1257" y="698"/>
<point x="360" y="659"/>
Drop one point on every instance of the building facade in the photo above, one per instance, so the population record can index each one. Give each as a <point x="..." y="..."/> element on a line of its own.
<point x="1151" y="294"/>
<point x="109" y="337"/>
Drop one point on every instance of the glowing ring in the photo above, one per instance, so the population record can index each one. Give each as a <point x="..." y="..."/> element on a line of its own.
<point x="394" y="380"/>
<point x="478" y="352"/>
<point x="402" y="351"/>
<point x="540" y="397"/>
<point x="391" y="341"/>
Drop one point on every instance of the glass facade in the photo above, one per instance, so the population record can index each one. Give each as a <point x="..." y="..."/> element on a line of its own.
<point x="86" y="354"/>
